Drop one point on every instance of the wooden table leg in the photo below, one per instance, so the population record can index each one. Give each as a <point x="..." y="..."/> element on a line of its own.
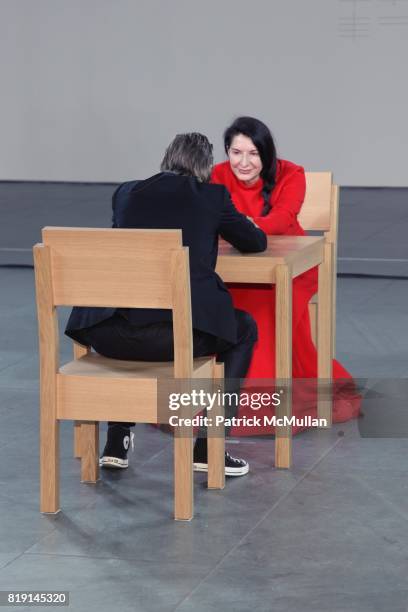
<point x="216" y="435"/>
<point x="325" y="337"/>
<point x="283" y="438"/>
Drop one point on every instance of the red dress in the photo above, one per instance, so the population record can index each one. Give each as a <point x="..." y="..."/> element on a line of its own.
<point x="286" y="200"/>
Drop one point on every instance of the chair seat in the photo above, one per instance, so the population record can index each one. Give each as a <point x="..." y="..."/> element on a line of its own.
<point x="103" y="389"/>
<point x="96" y="365"/>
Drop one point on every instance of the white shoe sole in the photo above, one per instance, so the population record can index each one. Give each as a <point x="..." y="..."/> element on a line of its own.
<point x="229" y="471"/>
<point x="113" y="462"/>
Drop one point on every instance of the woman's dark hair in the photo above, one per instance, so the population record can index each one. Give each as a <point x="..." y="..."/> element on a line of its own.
<point x="189" y="154"/>
<point x="260" y="135"/>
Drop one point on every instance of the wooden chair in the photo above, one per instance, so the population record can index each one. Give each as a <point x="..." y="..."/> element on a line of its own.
<point x="320" y="212"/>
<point x="124" y="268"/>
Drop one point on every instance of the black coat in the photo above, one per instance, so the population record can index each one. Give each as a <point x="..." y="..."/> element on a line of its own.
<point x="204" y="212"/>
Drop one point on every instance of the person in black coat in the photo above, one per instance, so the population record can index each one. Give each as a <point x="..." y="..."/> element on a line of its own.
<point x="180" y="196"/>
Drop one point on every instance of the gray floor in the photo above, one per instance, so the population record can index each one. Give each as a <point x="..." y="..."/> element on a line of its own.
<point x="328" y="535"/>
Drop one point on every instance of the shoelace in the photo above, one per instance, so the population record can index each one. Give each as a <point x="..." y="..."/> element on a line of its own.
<point x="234" y="460"/>
<point x="132" y="444"/>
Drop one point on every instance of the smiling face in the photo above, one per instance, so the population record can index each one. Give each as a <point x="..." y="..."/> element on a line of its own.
<point x="244" y="159"/>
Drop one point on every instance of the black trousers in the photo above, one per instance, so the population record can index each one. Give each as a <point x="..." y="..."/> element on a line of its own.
<point x="116" y="338"/>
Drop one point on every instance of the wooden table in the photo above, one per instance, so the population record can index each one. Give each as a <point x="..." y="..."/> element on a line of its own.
<point x="285" y="258"/>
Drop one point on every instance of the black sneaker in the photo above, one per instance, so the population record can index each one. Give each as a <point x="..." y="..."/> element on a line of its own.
<point x="116" y="448"/>
<point x="233" y="465"/>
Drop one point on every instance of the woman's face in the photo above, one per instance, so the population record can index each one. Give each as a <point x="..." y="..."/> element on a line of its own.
<point x="244" y="159"/>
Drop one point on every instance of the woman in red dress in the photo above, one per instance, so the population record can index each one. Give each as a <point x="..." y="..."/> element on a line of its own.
<point x="271" y="191"/>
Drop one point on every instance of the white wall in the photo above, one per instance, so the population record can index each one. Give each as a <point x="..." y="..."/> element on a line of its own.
<point x="93" y="90"/>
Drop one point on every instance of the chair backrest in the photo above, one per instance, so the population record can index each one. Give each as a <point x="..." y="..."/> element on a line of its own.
<point x="128" y="268"/>
<point x="320" y="207"/>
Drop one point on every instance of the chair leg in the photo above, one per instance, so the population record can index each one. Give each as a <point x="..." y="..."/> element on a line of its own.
<point x="89" y="451"/>
<point x="77" y="439"/>
<point x="183" y="474"/>
<point x="216" y="436"/>
<point x="334" y="312"/>
<point x="313" y="321"/>
<point x="49" y="464"/>
<point x="49" y="366"/>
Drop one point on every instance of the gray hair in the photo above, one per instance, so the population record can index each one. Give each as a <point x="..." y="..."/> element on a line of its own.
<point x="189" y="154"/>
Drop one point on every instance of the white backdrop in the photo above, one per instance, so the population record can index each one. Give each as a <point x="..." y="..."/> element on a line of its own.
<point x="93" y="90"/>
